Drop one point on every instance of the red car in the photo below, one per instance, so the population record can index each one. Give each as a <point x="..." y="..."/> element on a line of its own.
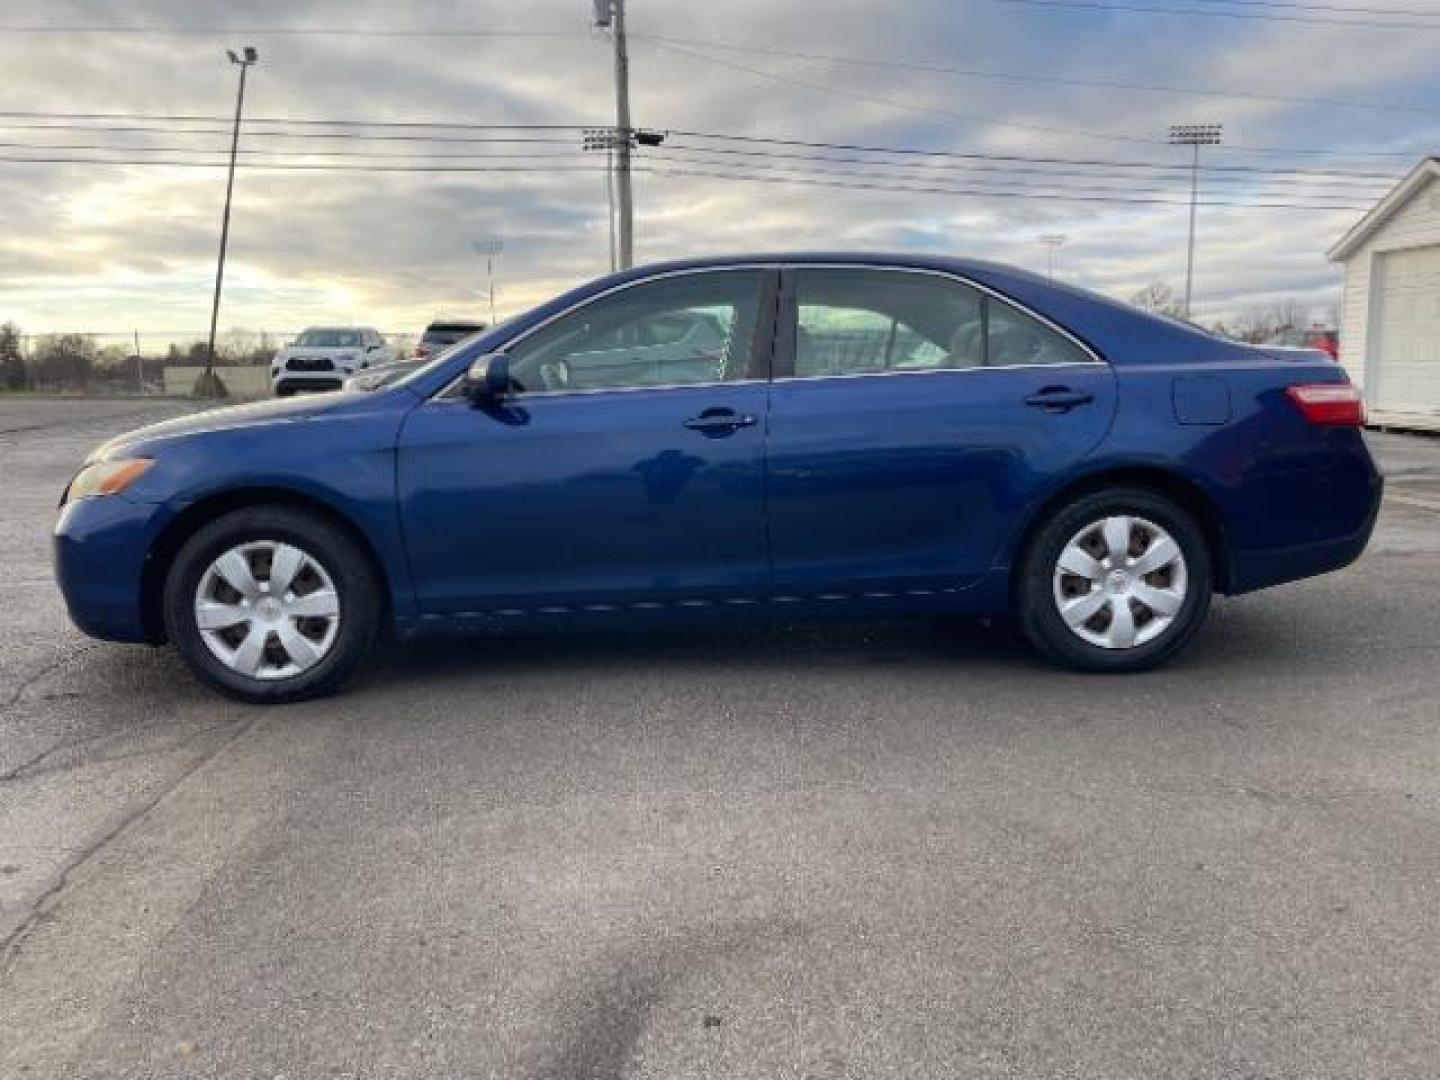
<point x="1327" y="341"/>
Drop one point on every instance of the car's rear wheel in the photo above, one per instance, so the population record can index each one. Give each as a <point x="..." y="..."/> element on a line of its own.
<point x="272" y="603"/>
<point x="1115" y="580"/>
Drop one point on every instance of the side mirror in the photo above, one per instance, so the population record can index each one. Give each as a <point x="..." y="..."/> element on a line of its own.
<point x="488" y="378"/>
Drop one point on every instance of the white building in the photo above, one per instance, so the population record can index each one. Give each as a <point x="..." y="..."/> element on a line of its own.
<point x="1390" y="309"/>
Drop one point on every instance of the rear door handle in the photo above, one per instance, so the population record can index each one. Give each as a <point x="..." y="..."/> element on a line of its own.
<point x="1058" y="399"/>
<point x="719" y="422"/>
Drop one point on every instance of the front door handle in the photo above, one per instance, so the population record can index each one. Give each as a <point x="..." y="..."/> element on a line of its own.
<point x="719" y="422"/>
<point x="1058" y="399"/>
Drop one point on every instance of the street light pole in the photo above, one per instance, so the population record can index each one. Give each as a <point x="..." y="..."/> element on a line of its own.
<point x="250" y="56"/>
<point x="1193" y="136"/>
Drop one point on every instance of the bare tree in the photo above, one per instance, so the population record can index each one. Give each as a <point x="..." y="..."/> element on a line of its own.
<point x="1159" y="298"/>
<point x="1287" y="314"/>
<point x="64" y="361"/>
<point x="1255" y="324"/>
<point x="12" y="362"/>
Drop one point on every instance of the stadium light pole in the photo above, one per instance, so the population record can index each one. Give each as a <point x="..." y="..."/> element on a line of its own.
<point x="1193" y="136"/>
<point x="490" y="247"/>
<point x="248" y="57"/>
<point x="1051" y="242"/>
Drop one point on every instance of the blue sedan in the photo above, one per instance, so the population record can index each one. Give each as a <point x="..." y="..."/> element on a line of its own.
<point x="801" y="436"/>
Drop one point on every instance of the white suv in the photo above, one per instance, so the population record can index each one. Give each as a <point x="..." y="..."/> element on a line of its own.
<point x="323" y="357"/>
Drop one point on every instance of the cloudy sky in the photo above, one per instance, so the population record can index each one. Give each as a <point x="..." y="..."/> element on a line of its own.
<point x="110" y="247"/>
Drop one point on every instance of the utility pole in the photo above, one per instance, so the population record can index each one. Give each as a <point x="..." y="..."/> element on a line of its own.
<point x="622" y="150"/>
<point x="250" y="57"/>
<point x="610" y="14"/>
<point x="1051" y="241"/>
<point x="1193" y="136"/>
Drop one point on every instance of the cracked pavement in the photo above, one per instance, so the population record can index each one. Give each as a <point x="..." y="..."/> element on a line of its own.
<point x="879" y="849"/>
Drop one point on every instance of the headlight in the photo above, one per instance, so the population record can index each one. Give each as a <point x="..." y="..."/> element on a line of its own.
<point x="106" y="478"/>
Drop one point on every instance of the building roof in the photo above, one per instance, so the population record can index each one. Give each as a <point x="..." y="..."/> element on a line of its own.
<point x="1381" y="212"/>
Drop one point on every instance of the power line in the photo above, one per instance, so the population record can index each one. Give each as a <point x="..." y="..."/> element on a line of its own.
<point x="892" y="169"/>
<point x="408" y="156"/>
<point x="172" y="30"/>
<point x="307" y="135"/>
<point x="37" y="114"/>
<point x="437" y="125"/>
<point x="1091" y="184"/>
<point x="810" y="179"/>
<point x="298" y="166"/>
<point x="1002" y="194"/>
<point x="1030" y="77"/>
<point x="674" y="43"/>
<point x="1247" y="176"/>
<point x="285" y="31"/>
<point x="990" y="120"/>
<point x="1304" y="20"/>
<point x="433" y="134"/>
<point x="987" y="164"/>
<point x="1107" y="162"/>
<point x="1305" y="6"/>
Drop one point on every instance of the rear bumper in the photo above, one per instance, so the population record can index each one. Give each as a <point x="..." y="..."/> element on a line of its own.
<point x="1351" y="511"/>
<point x="100" y="547"/>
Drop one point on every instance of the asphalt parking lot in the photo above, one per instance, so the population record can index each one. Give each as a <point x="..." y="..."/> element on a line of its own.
<point x="871" y="850"/>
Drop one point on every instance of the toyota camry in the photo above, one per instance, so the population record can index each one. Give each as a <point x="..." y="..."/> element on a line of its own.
<point x="795" y="435"/>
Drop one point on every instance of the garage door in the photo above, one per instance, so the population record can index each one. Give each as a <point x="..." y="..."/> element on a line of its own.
<point x="1409" y="367"/>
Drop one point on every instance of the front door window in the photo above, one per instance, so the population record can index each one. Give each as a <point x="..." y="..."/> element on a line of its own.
<point x="681" y="331"/>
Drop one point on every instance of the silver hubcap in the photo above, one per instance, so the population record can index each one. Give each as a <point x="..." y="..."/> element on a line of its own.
<point x="1120" y="582"/>
<point x="267" y="610"/>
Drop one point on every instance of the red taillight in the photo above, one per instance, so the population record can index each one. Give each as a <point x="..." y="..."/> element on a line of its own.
<point x="1329" y="404"/>
<point x="421" y="352"/>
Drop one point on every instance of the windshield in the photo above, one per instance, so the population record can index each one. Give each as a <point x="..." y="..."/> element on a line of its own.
<point x="329" y="339"/>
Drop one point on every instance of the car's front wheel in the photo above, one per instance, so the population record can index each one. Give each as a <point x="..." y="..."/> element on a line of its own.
<point x="1115" y="580"/>
<point x="272" y="603"/>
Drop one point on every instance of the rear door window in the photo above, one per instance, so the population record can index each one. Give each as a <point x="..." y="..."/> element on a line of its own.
<point x="862" y="321"/>
<point x="1015" y="339"/>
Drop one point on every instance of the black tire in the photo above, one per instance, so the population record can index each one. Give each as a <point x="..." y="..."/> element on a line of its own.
<point x="355" y="581"/>
<point x="1034" y="595"/>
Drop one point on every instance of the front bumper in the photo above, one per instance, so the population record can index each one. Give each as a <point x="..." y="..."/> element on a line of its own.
<point x="100" y="549"/>
<point x="309" y="380"/>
